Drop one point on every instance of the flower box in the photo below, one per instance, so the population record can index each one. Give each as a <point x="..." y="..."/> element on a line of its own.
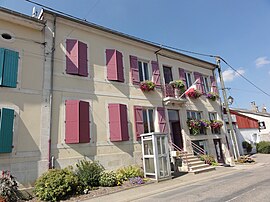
<point x="194" y="94"/>
<point x="147" y="86"/>
<point x="198" y="126"/>
<point x="212" y="96"/>
<point x="216" y="124"/>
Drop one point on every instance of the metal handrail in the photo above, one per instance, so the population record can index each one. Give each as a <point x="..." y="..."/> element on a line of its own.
<point x="180" y="150"/>
<point x="201" y="150"/>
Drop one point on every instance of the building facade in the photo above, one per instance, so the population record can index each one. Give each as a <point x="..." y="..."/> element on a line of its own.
<point x="91" y="103"/>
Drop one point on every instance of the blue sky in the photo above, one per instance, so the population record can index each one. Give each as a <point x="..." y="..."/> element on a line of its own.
<point x="238" y="31"/>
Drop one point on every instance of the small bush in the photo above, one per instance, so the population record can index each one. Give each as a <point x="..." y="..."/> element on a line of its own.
<point x="57" y="184"/>
<point x="108" y="179"/>
<point x="9" y="187"/>
<point x="263" y="147"/>
<point x="208" y="159"/>
<point x="123" y="174"/>
<point x="89" y="173"/>
<point x="247" y="146"/>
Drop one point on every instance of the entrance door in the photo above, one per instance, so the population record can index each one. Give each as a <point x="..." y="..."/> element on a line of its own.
<point x="218" y="148"/>
<point x="176" y="135"/>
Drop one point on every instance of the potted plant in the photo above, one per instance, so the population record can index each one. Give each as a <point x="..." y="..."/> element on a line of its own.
<point x="212" y="96"/>
<point x="216" y="124"/>
<point x="195" y="126"/>
<point x="178" y="86"/>
<point x="147" y="86"/>
<point x="8" y="187"/>
<point x="194" y="94"/>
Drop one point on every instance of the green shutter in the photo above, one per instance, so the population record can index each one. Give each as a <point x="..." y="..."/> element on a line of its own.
<point x="2" y="56"/>
<point x="6" y="130"/>
<point x="10" y="69"/>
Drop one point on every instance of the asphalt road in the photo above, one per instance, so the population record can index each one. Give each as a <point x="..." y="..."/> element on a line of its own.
<point x="252" y="184"/>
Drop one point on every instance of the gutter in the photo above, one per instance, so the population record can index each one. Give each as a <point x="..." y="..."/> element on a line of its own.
<point x="51" y="91"/>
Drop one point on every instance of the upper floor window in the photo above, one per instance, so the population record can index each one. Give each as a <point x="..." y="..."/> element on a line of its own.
<point x="167" y="71"/>
<point x="148" y="120"/>
<point x="143" y="70"/>
<point x="194" y="115"/>
<point x="188" y="77"/>
<point x="205" y="84"/>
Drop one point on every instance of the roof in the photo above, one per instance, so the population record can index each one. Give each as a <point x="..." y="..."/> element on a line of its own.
<point x="30" y="21"/>
<point x="159" y="47"/>
<point x="251" y="112"/>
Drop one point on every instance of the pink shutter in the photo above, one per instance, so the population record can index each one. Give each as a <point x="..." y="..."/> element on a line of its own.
<point x="134" y="70"/>
<point x="124" y="122"/>
<point x="118" y="122"/>
<point x="72" y="121"/>
<point x="162" y="120"/>
<point x="83" y="64"/>
<point x="199" y="83"/>
<point x="138" y="117"/>
<point x="72" y="66"/>
<point x="213" y="84"/>
<point x="84" y="122"/>
<point x="120" y="66"/>
<point x="156" y="73"/>
<point x="111" y="64"/>
<point x="182" y="75"/>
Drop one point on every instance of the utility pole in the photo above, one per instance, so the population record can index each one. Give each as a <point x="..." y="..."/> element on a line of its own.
<point x="232" y="132"/>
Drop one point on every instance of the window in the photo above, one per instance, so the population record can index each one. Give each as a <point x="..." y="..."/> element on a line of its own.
<point x="8" y="68"/>
<point x="6" y="130"/>
<point x="76" y="58"/>
<point x="143" y="70"/>
<point x="196" y="115"/>
<point x="212" y="117"/>
<point x="114" y="63"/>
<point x="205" y="84"/>
<point x="188" y="77"/>
<point x="148" y="120"/>
<point x="167" y="74"/>
<point x="118" y="122"/>
<point x="77" y="122"/>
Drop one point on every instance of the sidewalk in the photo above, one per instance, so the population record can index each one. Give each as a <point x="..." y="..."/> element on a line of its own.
<point x="150" y="189"/>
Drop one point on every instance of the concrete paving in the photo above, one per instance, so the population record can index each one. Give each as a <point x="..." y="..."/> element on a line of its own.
<point x="190" y="187"/>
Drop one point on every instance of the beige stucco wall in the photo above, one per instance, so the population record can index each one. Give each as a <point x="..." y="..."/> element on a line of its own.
<point x="99" y="92"/>
<point x="26" y="98"/>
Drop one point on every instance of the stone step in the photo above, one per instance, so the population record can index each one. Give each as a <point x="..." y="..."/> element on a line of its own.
<point x="197" y="167"/>
<point x="206" y="169"/>
<point x="194" y="163"/>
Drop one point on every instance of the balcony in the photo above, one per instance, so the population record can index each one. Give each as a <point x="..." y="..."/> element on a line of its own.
<point x="171" y="97"/>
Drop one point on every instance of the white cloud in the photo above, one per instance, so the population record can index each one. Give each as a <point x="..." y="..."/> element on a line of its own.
<point x="261" y="61"/>
<point x="230" y="75"/>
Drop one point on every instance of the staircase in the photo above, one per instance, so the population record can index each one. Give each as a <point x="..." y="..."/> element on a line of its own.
<point x="192" y="163"/>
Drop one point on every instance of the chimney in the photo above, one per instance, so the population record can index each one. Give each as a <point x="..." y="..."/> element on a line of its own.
<point x="264" y="109"/>
<point x="254" y="108"/>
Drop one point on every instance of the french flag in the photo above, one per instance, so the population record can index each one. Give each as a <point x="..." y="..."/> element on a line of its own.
<point x="192" y="88"/>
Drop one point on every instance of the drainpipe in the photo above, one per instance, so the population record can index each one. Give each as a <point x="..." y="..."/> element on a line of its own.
<point x="51" y="91"/>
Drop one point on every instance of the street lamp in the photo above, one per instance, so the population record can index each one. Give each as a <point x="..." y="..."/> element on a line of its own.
<point x="230" y="100"/>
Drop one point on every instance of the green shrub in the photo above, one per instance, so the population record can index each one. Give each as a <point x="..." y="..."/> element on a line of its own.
<point x="9" y="187"/>
<point x="89" y="173"/>
<point x="263" y="147"/>
<point x="208" y="159"/>
<point x="57" y="184"/>
<point x="247" y="146"/>
<point x="123" y="174"/>
<point x="108" y="179"/>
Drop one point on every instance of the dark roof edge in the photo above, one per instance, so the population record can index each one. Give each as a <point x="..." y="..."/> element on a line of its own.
<point x="251" y="112"/>
<point x="105" y="29"/>
<point x="21" y="15"/>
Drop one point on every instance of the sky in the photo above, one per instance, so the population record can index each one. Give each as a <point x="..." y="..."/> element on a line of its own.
<point x="238" y="31"/>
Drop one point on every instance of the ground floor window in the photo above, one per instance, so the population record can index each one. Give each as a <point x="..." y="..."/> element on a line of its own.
<point x="148" y="120"/>
<point x="200" y="146"/>
<point x="196" y="115"/>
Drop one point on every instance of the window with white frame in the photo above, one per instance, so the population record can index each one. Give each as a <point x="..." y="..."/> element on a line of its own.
<point x="205" y="84"/>
<point x="143" y="70"/>
<point x="196" y="115"/>
<point x="188" y="76"/>
<point x="148" y="120"/>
